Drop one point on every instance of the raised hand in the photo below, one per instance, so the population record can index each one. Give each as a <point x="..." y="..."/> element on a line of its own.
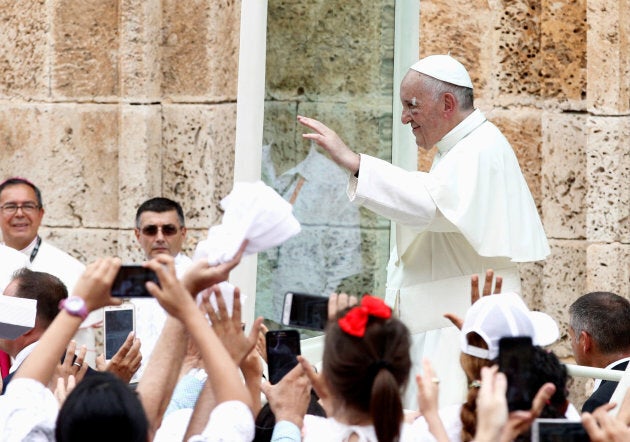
<point x="330" y="141"/>
<point x="474" y="293"/>
<point x="126" y="362"/>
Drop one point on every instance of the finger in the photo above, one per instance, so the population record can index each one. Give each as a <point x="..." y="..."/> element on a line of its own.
<point x="236" y="307"/>
<point x="124" y="349"/>
<point x="487" y="284"/>
<point x="474" y="289"/>
<point x="342" y="301"/>
<point x="592" y="427"/>
<point x="254" y="333"/>
<point x="68" y="359"/>
<point x="624" y="410"/>
<point x="100" y="362"/>
<point x="332" y="306"/>
<point x="542" y="397"/>
<point x="212" y="314"/>
<point x="81" y="356"/>
<point x="498" y="284"/>
<point x="352" y="301"/>
<point x="72" y="382"/>
<point x="314" y="378"/>
<point x="456" y="320"/>
<point x="80" y="373"/>
<point x="223" y="312"/>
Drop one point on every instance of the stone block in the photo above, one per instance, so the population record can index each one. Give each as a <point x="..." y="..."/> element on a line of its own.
<point x="328" y="49"/>
<point x="564" y="280"/>
<point x="517" y="46"/>
<point x="608" y="268"/>
<point x="24" y="57"/>
<point x="140" y="50"/>
<point x="71" y="153"/>
<point x="532" y="282"/>
<point x="563" y="49"/>
<point x="85" y="60"/>
<point x="608" y="54"/>
<point x="200" y="50"/>
<point x="564" y="182"/>
<point x="608" y="173"/>
<point x="464" y="31"/>
<point x="522" y="128"/>
<point x="198" y="159"/>
<point x="86" y="245"/>
<point x="140" y="159"/>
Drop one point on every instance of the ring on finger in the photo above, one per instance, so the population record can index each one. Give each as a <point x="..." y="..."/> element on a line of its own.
<point x="435" y="380"/>
<point x="77" y="364"/>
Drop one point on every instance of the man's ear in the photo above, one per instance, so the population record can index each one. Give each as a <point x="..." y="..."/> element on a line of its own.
<point x="184" y="232"/>
<point x="136" y="231"/>
<point x="585" y="342"/>
<point x="450" y="103"/>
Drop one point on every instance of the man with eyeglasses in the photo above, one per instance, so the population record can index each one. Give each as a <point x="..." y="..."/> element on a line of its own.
<point x="21" y="214"/>
<point x="160" y="229"/>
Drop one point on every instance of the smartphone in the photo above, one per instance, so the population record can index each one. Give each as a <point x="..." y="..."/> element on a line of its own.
<point x="283" y="347"/>
<point x="305" y="311"/>
<point x="130" y="280"/>
<point x="118" y="322"/>
<point x="515" y="358"/>
<point x="552" y="430"/>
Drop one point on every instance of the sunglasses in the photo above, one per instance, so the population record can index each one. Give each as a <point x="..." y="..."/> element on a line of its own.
<point x="167" y="230"/>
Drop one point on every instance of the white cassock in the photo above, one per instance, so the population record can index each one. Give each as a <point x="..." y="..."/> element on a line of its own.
<point x="471" y="212"/>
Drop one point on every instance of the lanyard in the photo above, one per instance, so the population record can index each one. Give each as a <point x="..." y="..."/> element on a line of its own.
<point x="36" y="248"/>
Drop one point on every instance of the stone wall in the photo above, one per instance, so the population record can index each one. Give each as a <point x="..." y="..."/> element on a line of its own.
<point x="105" y="103"/>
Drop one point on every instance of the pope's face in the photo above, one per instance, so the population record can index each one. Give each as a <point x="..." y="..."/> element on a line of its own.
<point x="421" y="111"/>
<point x="160" y="232"/>
<point x="20" y="228"/>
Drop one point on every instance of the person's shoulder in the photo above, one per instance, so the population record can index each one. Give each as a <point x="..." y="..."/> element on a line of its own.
<point x="49" y="251"/>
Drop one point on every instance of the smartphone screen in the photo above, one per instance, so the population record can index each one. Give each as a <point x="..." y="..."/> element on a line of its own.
<point x="117" y="326"/>
<point x="129" y="282"/>
<point x="555" y="430"/>
<point x="305" y="311"/>
<point x="282" y="348"/>
<point x="515" y="356"/>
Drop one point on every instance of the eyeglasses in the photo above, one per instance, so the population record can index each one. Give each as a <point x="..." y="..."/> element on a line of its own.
<point x="27" y="208"/>
<point x="167" y="230"/>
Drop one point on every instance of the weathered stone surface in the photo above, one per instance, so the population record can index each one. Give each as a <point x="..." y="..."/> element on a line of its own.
<point x="71" y="152"/>
<point x="608" y="54"/>
<point x="140" y="49"/>
<point x="24" y="61"/>
<point x="564" y="280"/>
<point x="327" y="49"/>
<point x="523" y="131"/>
<point x="608" y="268"/>
<point x="466" y="32"/>
<point x="85" y="49"/>
<point x="86" y="245"/>
<point x="563" y="171"/>
<point x="532" y="283"/>
<point x="140" y="159"/>
<point x="608" y="175"/>
<point x="200" y="49"/>
<point x="517" y="33"/>
<point x="563" y="49"/>
<point x="198" y="158"/>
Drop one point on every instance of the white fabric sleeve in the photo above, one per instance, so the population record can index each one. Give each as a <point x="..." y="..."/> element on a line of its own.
<point x="229" y="421"/>
<point x="393" y="192"/>
<point x="28" y="411"/>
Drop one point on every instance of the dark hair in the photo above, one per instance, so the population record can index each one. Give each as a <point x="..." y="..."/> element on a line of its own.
<point x="13" y="181"/>
<point x="45" y="288"/>
<point x="606" y="317"/>
<point x="368" y="373"/>
<point x="160" y="205"/>
<point x="102" y="408"/>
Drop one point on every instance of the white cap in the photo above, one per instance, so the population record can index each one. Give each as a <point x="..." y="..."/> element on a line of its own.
<point x="444" y="68"/>
<point x="505" y="315"/>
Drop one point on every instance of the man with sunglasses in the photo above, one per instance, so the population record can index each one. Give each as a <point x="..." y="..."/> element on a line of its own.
<point x="160" y="229"/>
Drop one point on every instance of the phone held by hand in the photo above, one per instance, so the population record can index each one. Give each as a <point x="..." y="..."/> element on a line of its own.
<point x="515" y="358"/>
<point x="283" y="347"/>
<point x="118" y="322"/>
<point x="130" y="281"/>
<point x="552" y="430"/>
<point x="305" y="311"/>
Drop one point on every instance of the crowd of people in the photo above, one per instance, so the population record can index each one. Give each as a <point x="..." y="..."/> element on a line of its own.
<point x="393" y="369"/>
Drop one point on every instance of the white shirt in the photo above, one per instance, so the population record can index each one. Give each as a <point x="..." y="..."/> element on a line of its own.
<point x="21" y="356"/>
<point x="10" y="261"/>
<point x="230" y="421"/>
<point x="28" y="411"/>
<point x="317" y="428"/>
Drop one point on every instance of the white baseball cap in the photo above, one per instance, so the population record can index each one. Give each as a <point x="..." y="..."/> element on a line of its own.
<point x="444" y="68"/>
<point x="506" y="315"/>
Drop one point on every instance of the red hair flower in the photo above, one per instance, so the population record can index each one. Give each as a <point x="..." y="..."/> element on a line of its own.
<point x="355" y="320"/>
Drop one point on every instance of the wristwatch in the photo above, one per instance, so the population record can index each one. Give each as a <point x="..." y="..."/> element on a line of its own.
<point x="75" y="306"/>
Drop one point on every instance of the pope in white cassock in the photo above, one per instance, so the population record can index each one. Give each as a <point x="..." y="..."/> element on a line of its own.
<point x="472" y="211"/>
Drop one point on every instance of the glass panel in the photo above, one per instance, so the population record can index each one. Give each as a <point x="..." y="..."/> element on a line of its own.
<point x="332" y="61"/>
